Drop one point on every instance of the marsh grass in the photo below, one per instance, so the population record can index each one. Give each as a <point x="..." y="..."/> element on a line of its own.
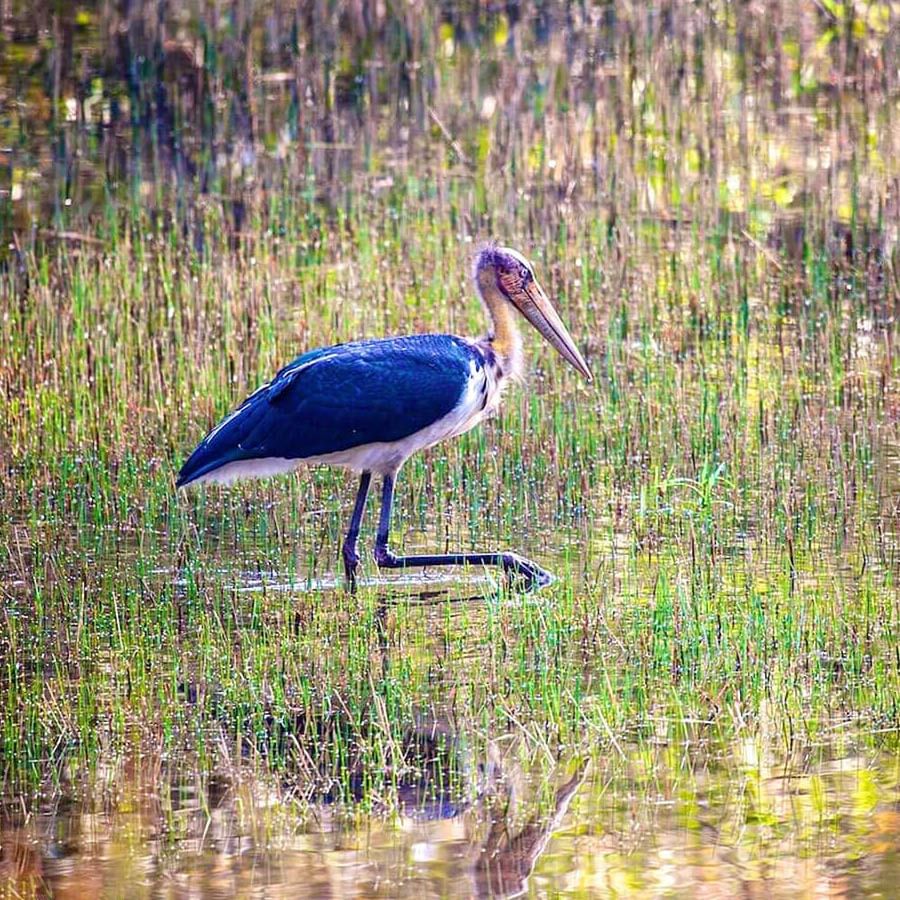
<point x="720" y="506"/>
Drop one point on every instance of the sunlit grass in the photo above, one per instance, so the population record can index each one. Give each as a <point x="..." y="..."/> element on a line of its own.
<point x="719" y="505"/>
<point x="714" y="507"/>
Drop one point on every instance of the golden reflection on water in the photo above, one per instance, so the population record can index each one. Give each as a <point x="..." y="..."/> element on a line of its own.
<point x="673" y="819"/>
<point x="759" y="110"/>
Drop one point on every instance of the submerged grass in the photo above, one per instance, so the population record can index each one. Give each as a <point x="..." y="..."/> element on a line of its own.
<point x="720" y="506"/>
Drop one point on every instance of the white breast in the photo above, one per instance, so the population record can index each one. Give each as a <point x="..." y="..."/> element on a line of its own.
<point x="480" y="399"/>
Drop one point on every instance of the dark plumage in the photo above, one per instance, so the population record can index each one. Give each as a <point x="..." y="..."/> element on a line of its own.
<point x="334" y="399"/>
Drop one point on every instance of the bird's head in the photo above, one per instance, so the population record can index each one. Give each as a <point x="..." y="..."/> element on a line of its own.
<point x="504" y="272"/>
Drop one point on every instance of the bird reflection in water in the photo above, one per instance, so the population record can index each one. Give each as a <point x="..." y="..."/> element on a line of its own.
<point x="506" y="859"/>
<point x="503" y="859"/>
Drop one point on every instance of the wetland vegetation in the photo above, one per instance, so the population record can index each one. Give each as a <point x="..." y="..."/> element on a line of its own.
<point x="705" y="702"/>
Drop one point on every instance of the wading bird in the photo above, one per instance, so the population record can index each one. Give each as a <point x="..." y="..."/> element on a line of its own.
<point x="369" y="405"/>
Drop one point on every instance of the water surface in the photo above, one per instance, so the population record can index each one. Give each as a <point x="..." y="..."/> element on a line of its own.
<point x="703" y="704"/>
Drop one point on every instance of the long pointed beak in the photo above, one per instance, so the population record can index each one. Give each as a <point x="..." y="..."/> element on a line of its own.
<point x="535" y="305"/>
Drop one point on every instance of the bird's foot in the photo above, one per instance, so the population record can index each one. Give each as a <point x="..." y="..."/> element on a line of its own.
<point x="351" y="564"/>
<point x="385" y="559"/>
<point x="531" y="574"/>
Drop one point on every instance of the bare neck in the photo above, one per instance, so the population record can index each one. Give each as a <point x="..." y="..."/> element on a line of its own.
<point x="503" y="337"/>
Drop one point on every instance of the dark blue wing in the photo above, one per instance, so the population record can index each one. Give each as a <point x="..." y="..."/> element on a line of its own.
<point x="340" y="397"/>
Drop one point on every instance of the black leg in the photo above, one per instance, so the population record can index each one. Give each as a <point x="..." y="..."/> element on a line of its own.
<point x="349" y="552"/>
<point x="511" y="563"/>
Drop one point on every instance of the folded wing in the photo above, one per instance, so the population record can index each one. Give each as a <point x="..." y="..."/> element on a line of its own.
<point x="341" y="397"/>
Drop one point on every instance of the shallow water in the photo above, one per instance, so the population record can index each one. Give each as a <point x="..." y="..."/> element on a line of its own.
<point x="674" y="805"/>
<point x="704" y="703"/>
<point x="687" y="818"/>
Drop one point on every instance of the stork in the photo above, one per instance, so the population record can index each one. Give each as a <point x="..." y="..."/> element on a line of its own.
<point x="369" y="405"/>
